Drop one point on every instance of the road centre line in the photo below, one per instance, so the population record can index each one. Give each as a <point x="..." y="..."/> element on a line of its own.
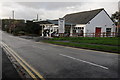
<point x="38" y="74"/>
<point x="84" y="61"/>
<point x="79" y="49"/>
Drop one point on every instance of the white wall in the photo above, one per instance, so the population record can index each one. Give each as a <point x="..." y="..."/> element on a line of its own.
<point x="55" y="28"/>
<point x="101" y="20"/>
<point x="81" y="25"/>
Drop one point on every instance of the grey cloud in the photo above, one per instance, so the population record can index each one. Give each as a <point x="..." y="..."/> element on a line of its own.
<point x="50" y="5"/>
<point x="50" y="10"/>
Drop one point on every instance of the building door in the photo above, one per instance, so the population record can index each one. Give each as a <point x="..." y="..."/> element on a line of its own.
<point x="98" y="32"/>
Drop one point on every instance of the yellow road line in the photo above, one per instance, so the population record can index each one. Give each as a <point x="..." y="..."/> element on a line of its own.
<point x="37" y="73"/>
<point x="29" y="72"/>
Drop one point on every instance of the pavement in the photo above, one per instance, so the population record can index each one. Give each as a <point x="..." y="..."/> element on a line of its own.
<point x="36" y="39"/>
<point x="59" y="62"/>
<point x="8" y="71"/>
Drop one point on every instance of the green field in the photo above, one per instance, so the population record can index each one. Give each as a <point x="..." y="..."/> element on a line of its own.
<point x="109" y="44"/>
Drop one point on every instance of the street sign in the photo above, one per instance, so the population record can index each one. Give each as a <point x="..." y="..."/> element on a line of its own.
<point x="61" y="25"/>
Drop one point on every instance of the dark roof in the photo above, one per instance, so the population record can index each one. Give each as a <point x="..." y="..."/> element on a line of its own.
<point x="55" y="22"/>
<point x="81" y="17"/>
<point x="44" y="22"/>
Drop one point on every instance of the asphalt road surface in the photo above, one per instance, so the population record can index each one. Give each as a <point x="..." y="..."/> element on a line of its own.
<point x="63" y="62"/>
<point x="0" y="57"/>
<point x="7" y="71"/>
<point x="0" y="63"/>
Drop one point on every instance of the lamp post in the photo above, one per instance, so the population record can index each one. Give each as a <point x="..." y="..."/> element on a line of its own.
<point x="13" y="14"/>
<point x="113" y="32"/>
<point x="117" y="27"/>
<point x="71" y="30"/>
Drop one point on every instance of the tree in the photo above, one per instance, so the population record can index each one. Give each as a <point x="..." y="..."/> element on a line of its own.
<point x="32" y="28"/>
<point x="7" y="24"/>
<point x="116" y="17"/>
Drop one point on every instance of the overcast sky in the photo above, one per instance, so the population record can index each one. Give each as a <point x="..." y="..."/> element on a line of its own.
<point x="53" y="10"/>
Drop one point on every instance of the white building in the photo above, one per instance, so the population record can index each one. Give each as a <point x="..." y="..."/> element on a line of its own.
<point x="94" y="23"/>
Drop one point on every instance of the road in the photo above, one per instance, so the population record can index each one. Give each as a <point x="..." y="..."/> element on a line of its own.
<point x="0" y="63"/>
<point x="53" y="61"/>
<point x="0" y="57"/>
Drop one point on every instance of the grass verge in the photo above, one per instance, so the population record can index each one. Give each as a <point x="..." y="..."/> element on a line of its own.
<point x="114" y="49"/>
<point x="114" y="41"/>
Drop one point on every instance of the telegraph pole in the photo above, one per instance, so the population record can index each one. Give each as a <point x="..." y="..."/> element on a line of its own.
<point x="118" y="23"/>
<point x="13" y="17"/>
<point x="13" y="14"/>
<point x="37" y="17"/>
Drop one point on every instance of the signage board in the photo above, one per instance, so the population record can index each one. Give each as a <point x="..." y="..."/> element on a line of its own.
<point x="61" y="25"/>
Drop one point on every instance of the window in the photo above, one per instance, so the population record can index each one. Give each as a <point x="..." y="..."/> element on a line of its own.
<point x="82" y="28"/>
<point x="108" y="31"/>
<point x="74" y="31"/>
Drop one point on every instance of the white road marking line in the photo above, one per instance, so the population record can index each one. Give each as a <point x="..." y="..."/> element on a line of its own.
<point x="85" y="61"/>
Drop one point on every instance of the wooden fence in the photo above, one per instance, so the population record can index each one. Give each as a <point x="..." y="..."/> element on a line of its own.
<point x="104" y="34"/>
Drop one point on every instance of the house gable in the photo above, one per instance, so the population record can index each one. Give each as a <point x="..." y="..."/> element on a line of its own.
<point x="81" y="17"/>
<point x="101" y="20"/>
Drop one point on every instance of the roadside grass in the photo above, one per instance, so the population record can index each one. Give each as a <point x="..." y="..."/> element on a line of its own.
<point x="86" y="46"/>
<point x="92" y="40"/>
<point x="104" y="42"/>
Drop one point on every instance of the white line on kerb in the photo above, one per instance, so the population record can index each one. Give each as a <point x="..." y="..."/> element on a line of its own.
<point x="84" y="61"/>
